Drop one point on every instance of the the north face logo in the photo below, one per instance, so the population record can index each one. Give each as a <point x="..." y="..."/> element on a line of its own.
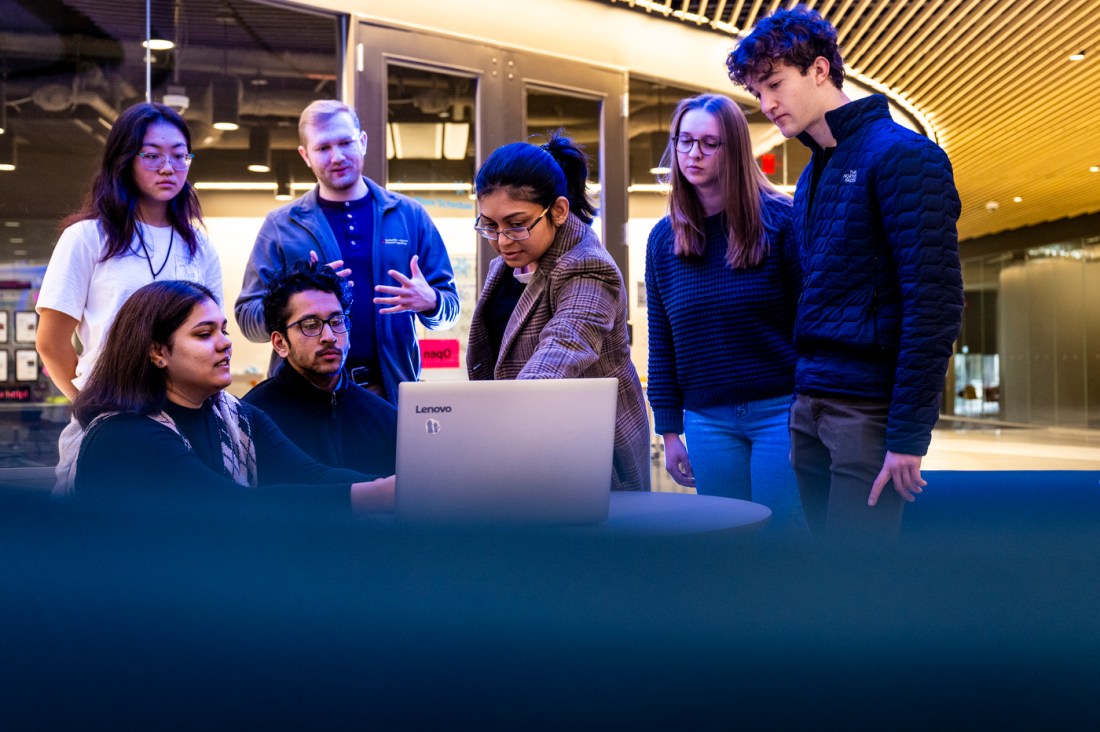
<point x="850" y="176"/>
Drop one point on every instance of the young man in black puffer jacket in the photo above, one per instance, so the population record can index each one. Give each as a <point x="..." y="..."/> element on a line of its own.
<point x="876" y="214"/>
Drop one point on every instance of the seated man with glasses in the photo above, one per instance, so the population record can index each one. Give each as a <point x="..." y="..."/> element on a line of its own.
<point x="310" y="397"/>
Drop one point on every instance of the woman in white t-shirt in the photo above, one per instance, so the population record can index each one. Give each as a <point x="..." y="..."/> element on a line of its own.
<point x="140" y="222"/>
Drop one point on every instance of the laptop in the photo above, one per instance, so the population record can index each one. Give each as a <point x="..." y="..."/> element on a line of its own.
<point x="509" y="452"/>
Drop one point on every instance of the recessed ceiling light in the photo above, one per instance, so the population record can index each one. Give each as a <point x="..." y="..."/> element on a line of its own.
<point x="1017" y="199"/>
<point x="1079" y="56"/>
<point x="158" y="44"/>
<point x="1095" y="169"/>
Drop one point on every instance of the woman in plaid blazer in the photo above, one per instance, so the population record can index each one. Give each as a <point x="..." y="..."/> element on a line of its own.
<point x="554" y="305"/>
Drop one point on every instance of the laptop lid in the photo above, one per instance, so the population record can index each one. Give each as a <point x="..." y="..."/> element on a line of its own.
<point x="527" y="451"/>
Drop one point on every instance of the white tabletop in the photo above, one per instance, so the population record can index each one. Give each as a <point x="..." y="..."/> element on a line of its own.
<point x="679" y="514"/>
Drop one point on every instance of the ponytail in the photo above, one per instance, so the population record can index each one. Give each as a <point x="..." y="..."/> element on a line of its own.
<point x="540" y="173"/>
<point x="574" y="164"/>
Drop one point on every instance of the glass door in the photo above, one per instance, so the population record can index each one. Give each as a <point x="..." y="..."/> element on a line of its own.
<point x="434" y="107"/>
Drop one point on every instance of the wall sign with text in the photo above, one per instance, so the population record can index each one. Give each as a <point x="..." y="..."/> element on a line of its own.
<point x="439" y="353"/>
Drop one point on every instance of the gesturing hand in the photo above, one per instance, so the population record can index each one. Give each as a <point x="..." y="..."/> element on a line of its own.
<point x="414" y="294"/>
<point x="338" y="265"/>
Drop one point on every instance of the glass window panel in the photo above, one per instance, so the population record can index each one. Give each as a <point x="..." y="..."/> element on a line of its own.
<point x="577" y="117"/>
<point x="67" y="70"/>
<point x="431" y="156"/>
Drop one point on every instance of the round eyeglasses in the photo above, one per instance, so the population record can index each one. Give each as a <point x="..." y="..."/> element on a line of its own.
<point x="515" y="233"/>
<point x="312" y="326"/>
<point x="155" y="161"/>
<point x="707" y="146"/>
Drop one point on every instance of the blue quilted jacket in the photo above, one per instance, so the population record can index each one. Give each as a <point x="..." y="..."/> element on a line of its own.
<point x="882" y="292"/>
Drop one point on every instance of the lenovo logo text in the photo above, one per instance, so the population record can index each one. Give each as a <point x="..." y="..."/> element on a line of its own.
<point x="432" y="410"/>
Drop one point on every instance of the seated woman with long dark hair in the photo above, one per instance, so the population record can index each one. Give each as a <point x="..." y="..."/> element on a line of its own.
<point x="159" y="425"/>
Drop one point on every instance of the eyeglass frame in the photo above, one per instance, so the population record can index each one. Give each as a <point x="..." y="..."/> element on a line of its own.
<point x="486" y="231"/>
<point x="171" y="159"/>
<point x="703" y="143"/>
<point x="323" y="321"/>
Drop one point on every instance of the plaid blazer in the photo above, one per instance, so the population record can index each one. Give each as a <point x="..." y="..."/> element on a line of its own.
<point x="570" y="322"/>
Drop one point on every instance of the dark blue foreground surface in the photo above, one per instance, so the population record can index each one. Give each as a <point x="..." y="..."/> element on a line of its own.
<point x="986" y="613"/>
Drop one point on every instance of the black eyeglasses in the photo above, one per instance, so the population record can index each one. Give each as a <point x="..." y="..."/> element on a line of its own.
<point x="155" y="161"/>
<point x="707" y="146"/>
<point x="312" y="326"/>
<point x="515" y="233"/>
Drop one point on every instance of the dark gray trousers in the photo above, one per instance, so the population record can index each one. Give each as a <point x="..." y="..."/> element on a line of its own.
<point x="838" y="445"/>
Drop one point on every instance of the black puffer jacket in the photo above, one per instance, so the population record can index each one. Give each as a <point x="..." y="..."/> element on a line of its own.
<point x="882" y="295"/>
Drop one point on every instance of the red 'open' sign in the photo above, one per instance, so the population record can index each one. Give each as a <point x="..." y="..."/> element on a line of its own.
<point x="439" y="353"/>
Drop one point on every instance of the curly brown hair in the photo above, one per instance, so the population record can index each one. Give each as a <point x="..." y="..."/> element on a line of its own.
<point x="795" y="37"/>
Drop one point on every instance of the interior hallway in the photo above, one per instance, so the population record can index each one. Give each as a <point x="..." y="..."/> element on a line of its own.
<point x="960" y="444"/>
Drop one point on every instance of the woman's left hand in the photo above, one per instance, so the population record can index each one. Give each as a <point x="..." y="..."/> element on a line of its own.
<point x="677" y="462"/>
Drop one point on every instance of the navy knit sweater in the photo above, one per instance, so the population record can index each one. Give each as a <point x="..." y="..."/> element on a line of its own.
<point x="719" y="335"/>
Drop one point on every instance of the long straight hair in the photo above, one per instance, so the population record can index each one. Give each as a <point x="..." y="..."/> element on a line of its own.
<point x="113" y="198"/>
<point x="124" y="378"/>
<point x="744" y="188"/>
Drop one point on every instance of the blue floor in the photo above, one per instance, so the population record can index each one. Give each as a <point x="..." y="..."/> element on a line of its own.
<point x="984" y="615"/>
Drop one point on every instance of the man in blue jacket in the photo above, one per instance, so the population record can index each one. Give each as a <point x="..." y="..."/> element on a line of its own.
<point x="386" y="241"/>
<point x="876" y="213"/>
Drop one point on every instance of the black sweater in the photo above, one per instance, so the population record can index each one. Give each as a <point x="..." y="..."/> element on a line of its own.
<point x="129" y="455"/>
<point x="347" y="428"/>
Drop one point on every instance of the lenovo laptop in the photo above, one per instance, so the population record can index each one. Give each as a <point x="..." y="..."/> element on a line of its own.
<point x="512" y="452"/>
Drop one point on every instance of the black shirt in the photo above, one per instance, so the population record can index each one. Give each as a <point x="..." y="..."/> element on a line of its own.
<point x="127" y="454"/>
<point x="347" y="428"/>
<point x="499" y="307"/>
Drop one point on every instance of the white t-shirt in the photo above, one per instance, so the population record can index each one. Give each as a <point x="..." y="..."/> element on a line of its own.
<point x="78" y="284"/>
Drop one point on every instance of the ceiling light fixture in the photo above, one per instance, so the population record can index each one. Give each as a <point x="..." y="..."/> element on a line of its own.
<point x="417" y="140"/>
<point x="658" y="142"/>
<point x="176" y="98"/>
<point x="1095" y="169"/>
<point x="1079" y="56"/>
<point x="421" y="187"/>
<point x="158" y="44"/>
<point x="4" y="105"/>
<point x="225" y="91"/>
<point x="456" y="138"/>
<point x="284" y="181"/>
<point x="259" y="150"/>
<point x="7" y="151"/>
<point x="225" y="103"/>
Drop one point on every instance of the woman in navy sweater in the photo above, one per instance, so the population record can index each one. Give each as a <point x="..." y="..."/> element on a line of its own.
<point x="722" y="285"/>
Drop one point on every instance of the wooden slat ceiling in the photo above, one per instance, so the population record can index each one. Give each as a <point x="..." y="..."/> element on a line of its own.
<point x="1016" y="116"/>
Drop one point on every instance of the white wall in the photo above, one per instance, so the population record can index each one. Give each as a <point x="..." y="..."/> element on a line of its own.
<point x="233" y="238"/>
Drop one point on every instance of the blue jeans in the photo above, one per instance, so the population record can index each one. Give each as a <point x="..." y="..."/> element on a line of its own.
<point x="743" y="451"/>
